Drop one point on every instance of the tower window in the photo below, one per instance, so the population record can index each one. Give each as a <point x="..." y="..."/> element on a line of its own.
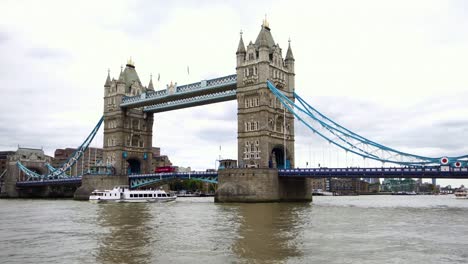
<point x="251" y="56"/>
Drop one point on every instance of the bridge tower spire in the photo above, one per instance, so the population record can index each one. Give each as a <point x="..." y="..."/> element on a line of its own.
<point x="128" y="133"/>
<point x="265" y="131"/>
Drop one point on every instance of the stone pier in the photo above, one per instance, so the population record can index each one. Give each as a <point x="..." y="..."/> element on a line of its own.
<point x="252" y="185"/>
<point x="90" y="183"/>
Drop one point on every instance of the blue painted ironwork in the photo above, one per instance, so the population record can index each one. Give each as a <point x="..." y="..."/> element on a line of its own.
<point x="61" y="172"/>
<point x="440" y="172"/>
<point x="140" y="180"/>
<point x="192" y="90"/>
<point x="348" y="140"/>
<point x="48" y="182"/>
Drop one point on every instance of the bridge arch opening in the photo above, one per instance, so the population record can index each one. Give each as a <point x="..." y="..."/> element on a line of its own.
<point x="133" y="166"/>
<point x="36" y="170"/>
<point x="277" y="159"/>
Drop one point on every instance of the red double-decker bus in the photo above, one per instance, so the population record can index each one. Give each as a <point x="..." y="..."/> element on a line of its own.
<point x="165" y="169"/>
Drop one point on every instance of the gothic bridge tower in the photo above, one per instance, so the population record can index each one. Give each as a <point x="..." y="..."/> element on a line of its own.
<point x="128" y="133"/>
<point x="265" y="130"/>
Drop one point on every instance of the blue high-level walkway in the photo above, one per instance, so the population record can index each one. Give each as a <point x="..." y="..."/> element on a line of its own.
<point x="200" y="93"/>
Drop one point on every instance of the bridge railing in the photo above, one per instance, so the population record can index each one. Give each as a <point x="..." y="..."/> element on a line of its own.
<point x="42" y="182"/>
<point x="417" y="172"/>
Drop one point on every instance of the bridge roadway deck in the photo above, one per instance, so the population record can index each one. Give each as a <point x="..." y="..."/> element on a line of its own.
<point x="428" y="172"/>
<point x="66" y="181"/>
<point x="443" y="172"/>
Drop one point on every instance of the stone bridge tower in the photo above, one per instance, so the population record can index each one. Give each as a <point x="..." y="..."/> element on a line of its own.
<point x="128" y="133"/>
<point x="265" y="130"/>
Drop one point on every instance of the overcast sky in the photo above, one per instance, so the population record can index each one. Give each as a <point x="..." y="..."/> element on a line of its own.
<point x="392" y="71"/>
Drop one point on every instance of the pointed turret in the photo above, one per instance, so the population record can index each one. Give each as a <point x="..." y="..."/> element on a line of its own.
<point x="121" y="76"/>
<point x="150" y="85"/>
<point x="241" y="47"/>
<point x="289" y="54"/>
<point x="108" y="80"/>
<point x="264" y="38"/>
<point x="129" y="75"/>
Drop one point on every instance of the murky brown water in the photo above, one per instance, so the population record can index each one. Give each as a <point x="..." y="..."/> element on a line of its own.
<point x="360" y="229"/>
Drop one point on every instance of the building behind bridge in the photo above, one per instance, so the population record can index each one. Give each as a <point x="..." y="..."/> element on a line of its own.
<point x="31" y="158"/>
<point x="159" y="160"/>
<point x="90" y="159"/>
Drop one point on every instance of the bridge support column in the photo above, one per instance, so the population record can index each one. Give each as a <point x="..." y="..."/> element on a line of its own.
<point x="252" y="185"/>
<point x="8" y="189"/>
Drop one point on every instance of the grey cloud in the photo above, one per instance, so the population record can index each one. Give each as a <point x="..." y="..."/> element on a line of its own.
<point x="221" y="134"/>
<point x="46" y="53"/>
<point x="4" y="37"/>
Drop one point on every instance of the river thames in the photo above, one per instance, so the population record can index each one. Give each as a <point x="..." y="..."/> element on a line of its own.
<point x="352" y="229"/>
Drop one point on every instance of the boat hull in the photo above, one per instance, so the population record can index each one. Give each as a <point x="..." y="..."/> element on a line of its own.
<point x="122" y="194"/>
<point x="168" y="199"/>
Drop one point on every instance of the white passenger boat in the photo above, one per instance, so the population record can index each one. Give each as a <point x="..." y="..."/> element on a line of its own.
<point x="321" y="192"/>
<point x="461" y="193"/>
<point x="124" y="194"/>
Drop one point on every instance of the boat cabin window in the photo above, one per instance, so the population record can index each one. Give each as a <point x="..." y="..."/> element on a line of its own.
<point x="159" y="195"/>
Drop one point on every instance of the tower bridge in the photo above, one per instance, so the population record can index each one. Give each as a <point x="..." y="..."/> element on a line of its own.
<point x="265" y="91"/>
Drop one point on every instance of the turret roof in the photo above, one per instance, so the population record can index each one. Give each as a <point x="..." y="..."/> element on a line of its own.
<point x="108" y="80"/>
<point x="289" y="54"/>
<point x="241" y="47"/>
<point x="264" y="38"/>
<point x="150" y="85"/>
<point x="129" y="75"/>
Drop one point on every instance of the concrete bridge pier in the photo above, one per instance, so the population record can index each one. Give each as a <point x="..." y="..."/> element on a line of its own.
<point x="254" y="185"/>
<point x="89" y="183"/>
